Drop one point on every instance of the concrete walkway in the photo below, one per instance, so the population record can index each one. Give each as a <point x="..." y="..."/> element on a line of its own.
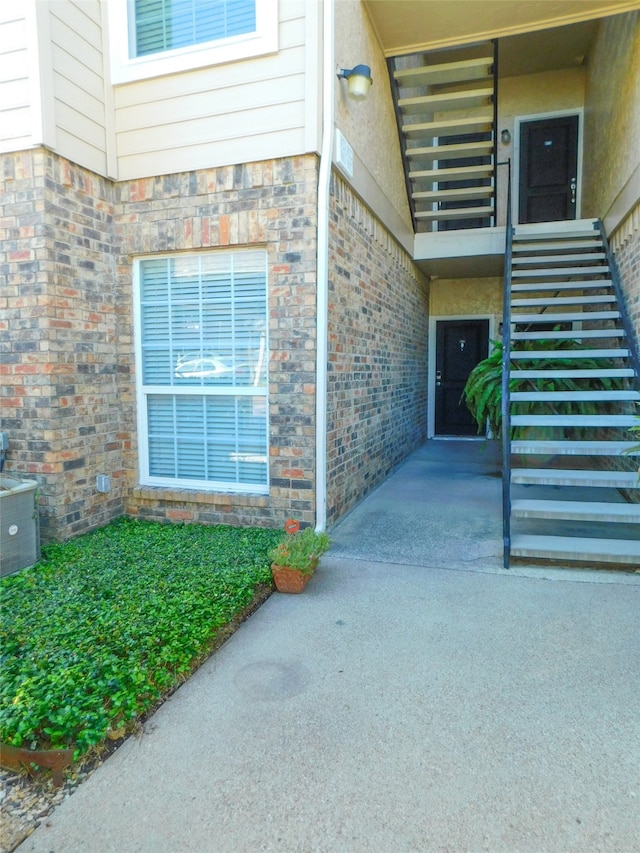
<point x="415" y="697"/>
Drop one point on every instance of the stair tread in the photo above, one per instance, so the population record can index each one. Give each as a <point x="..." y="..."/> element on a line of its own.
<point x="564" y="316"/>
<point x="574" y="420"/>
<point x="567" y="334"/>
<point x="557" y="245"/>
<point x="573" y="477"/>
<point x="576" y="373"/>
<point x="522" y="235"/>
<point x="573" y="396"/>
<point x="459" y="71"/>
<point x="428" y="153"/>
<point x="456" y="213"/>
<point x="452" y="173"/>
<point x="449" y="127"/>
<point x="445" y="101"/>
<point x="542" y="260"/>
<point x="561" y="271"/>
<point x="532" y="301"/>
<point x="572" y="448"/>
<point x="586" y="284"/>
<point x="459" y="194"/>
<point x="536" y="355"/>
<point x="577" y="510"/>
<point x="581" y="549"/>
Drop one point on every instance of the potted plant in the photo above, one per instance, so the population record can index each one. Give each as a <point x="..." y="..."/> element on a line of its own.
<point x="295" y="558"/>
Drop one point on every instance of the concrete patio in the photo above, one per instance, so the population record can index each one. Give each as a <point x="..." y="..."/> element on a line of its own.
<point x="416" y="697"/>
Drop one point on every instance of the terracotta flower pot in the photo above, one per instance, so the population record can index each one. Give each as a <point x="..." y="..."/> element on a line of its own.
<point x="291" y="580"/>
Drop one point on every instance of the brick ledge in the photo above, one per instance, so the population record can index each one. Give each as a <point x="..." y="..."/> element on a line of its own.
<point x="161" y="493"/>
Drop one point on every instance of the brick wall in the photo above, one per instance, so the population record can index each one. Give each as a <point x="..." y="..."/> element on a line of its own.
<point x="60" y="386"/>
<point x="271" y="204"/>
<point x="69" y="242"/>
<point x="69" y="239"/>
<point x="377" y="381"/>
<point x="625" y="244"/>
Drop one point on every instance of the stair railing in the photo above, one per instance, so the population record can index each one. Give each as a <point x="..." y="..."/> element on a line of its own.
<point x="625" y="319"/>
<point x="494" y="73"/>
<point x="506" y="375"/>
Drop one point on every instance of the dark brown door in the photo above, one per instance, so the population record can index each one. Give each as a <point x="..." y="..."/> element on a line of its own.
<point x="548" y="169"/>
<point x="460" y="345"/>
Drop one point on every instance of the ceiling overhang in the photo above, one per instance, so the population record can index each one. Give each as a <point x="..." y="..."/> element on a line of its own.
<point x="408" y="26"/>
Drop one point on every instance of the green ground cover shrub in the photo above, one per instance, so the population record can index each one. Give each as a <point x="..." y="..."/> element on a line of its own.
<point x="108" y="623"/>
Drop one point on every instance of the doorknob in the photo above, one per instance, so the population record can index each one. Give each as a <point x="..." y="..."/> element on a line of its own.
<point x="438" y="378"/>
<point x="573" y="186"/>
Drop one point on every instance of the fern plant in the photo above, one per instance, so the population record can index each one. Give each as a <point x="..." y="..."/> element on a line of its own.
<point x="483" y="390"/>
<point x="635" y="431"/>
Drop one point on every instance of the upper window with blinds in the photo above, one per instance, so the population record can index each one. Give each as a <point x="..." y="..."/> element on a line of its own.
<point x="161" y="25"/>
<point x="151" y="38"/>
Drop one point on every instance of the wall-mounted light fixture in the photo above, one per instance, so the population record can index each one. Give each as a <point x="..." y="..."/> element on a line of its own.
<point x="358" y="81"/>
<point x="505" y="136"/>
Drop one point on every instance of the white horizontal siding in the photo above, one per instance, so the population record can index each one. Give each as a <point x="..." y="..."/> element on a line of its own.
<point x="78" y="82"/>
<point x="14" y="93"/>
<point x="13" y="62"/>
<point x="217" y="128"/>
<point x="15" y="85"/>
<point x="70" y="67"/>
<point x="239" y="112"/>
<point x="226" y="104"/>
<point x="16" y="129"/>
<point x="287" y="142"/>
<point x="14" y="28"/>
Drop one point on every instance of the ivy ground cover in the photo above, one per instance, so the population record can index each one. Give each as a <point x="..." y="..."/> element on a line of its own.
<point x="107" y="624"/>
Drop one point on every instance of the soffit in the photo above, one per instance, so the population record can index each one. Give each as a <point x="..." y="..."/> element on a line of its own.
<point x="407" y="26"/>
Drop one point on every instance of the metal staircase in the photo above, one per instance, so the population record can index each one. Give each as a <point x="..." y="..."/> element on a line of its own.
<point x="445" y="108"/>
<point x="573" y="380"/>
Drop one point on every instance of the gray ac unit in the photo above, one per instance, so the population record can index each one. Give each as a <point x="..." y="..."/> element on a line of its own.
<point x="19" y="529"/>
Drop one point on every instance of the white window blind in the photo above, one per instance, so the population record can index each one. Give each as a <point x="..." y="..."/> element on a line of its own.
<point x="203" y="369"/>
<point x="162" y="25"/>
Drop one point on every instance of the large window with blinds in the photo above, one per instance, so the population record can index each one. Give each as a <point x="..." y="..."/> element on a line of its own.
<point x="201" y="347"/>
<point x="162" y="25"/>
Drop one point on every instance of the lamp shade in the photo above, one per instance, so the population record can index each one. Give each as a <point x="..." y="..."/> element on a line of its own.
<point x="358" y="81"/>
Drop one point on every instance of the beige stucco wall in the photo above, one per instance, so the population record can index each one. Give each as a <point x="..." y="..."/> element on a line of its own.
<point x="370" y="125"/>
<point x="465" y="297"/>
<point x="533" y="94"/>
<point x="612" y="120"/>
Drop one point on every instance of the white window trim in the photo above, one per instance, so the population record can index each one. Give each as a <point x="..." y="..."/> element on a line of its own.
<point x="142" y="391"/>
<point x="125" y="69"/>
